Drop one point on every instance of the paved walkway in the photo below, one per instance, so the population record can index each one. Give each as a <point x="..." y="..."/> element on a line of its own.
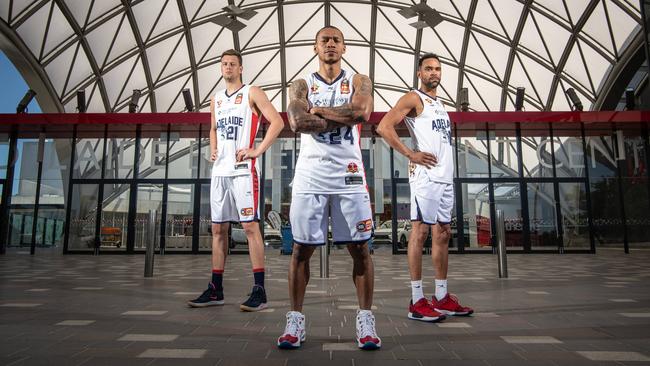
<point x="553" y="310"/>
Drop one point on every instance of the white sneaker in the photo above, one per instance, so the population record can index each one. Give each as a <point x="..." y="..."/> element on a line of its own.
<point x="366" y="334"/>
<point x="294" y="332"/>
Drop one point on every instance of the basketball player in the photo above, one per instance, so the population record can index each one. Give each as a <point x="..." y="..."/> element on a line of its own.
<point x="431" y="173"/>
<point x="327" y="107"/>
<point x="234" y="188"/>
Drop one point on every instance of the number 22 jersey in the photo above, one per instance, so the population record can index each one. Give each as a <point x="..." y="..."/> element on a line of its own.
<point x="236" y="126"/>
<point x="330" y="162"/>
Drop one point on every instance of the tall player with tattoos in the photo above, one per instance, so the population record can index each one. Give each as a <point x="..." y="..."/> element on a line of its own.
<point x="327" y="108"/>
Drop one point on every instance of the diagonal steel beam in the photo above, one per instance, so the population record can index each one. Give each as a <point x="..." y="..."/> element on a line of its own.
<point x="143" y="53"/>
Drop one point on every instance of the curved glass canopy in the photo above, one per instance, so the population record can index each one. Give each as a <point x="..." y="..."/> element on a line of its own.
<point x="110" y="47"/>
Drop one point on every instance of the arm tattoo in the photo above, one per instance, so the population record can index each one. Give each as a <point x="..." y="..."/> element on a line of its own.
<point x="300" y="119"/>
<point x="353" y="112"/>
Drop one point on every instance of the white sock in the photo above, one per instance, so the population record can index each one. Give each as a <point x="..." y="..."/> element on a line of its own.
<point x="441" y="289"/>
<point x="416" y="291"/>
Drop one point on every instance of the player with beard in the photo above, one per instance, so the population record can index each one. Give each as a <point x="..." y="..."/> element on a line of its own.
<point x="431" y="173"/>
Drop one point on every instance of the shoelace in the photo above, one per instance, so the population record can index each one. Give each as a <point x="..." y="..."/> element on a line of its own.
<point x="293" y="324"/>
<point x="366" y="325"/>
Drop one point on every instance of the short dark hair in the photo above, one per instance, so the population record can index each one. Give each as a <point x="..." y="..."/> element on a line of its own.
<point x="329" y="27"/>
<point x="427" y="56"/>
<point x="232" y="52"/>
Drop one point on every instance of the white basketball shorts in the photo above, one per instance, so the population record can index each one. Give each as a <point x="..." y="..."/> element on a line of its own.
<point x="234" y="199"/>
<point x="431" y="202"/>
<point x="349" y="214"/>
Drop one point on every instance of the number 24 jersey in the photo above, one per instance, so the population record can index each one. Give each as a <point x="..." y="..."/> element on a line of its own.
<point x="330" y="162"/>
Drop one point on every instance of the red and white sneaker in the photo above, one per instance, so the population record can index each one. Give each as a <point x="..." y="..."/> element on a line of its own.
<point x="449" y="305"/>
<point x="423" y="311"/>
<point x="367" y="338"/>
<point x="294" y="332"/>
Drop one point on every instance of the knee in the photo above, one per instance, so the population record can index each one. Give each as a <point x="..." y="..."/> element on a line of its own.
<point x="359" y="252"/>
<point x="301" y="254"/>
<point x="444" y="235"/>
<point x="219" y="230"/>
<point x="250" y="228"/>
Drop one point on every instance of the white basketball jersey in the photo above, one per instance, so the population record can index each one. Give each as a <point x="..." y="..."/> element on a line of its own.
<point x="330" y="162"/>
<point x="236" y="126"/>
<point x="431" y="132"/>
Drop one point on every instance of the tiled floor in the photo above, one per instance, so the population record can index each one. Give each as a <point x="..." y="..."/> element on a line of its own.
<point x="553" y="310"/>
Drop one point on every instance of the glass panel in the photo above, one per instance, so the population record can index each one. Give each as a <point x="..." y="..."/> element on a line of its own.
<point x="54" y="222"/>
<point x="115" y="210"/>
<point x="507" y="197"/>
<point x="20" y="227"/>
<point x="206" y="163"/>
<point x="1" y="188"/>
<point x="150" y="197"/>
<point x="180" y="211"/>
<point x="4" y="154"/>
<point x="504" y="154"/>
<point x="83" y="211"/>
<point x="40" y="231"/>
<point x="542" y="216"/>
<point x="89" y="152"/>
<point x="476" y="215"/>
<point x="575" y="219"/>
<point x="603" y="180"/>
<point x="634" y="176"/>
<point x="280" y="160"/>
<point x="183" y="152"/>
<point x="153" y="151"/>
<point x="205" y="220"/>
<point x="402" y="211"/>
<point x="25" y="173"/>
<point x="120" y="151"/>
<point x="536" y="153"/>
<point x="569" y="155"/>
<point x="472" y="154"/>
<point x="400" y="162"/>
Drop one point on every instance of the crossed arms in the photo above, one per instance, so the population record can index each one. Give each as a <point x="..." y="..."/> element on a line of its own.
<point x="322" y="119"/>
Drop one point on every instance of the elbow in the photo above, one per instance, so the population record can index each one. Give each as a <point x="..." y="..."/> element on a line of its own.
<point x="381" y="129"/>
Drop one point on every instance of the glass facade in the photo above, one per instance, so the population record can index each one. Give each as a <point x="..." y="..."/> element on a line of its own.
<point x="563" y="186"/>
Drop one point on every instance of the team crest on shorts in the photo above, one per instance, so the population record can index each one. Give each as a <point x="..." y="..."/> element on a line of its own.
<point x="364" y="226"/>
<point x="247" y="211"/>
<point x="411" y="169"/>
<point x="239" y="98"/>
<point x="345" y="86"/>
<point x="353" y="168"/>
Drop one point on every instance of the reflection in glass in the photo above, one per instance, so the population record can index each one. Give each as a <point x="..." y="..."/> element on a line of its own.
<point x="604" y="190"/>
<point x="180" y="211"/>
<point x="542" y="215"/>
<point x="507" y="197"/>
<point x="536" y="154"/>
<point x="569" y="155"/>
<point x="183" y="155"/>
<point x="476" y="215"/>
<point x="83" y="212"/>
<point x="504" y="155"/>
<point x="205" y="219"/>
<point x="150" y="197"/>
<point x="115" y="209"/>
<point x="153" y="156"/>
<point x="473" y="157"/>
<point x="635" y="188"/>
<point x="575" y="219"/>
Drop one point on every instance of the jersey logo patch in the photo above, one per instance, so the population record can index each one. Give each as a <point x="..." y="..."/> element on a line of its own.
<point x="353" y="181"/>
<point x="428" y="100"/>
<point x="364" y="226"/>
<point x="247" y="211"/>
<point x="239" y="98"/>
<point x="345" y="86"/>
<point x="353" y="168"/>
<point x="314" y="88"/>
<point x="218" y="103"/>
